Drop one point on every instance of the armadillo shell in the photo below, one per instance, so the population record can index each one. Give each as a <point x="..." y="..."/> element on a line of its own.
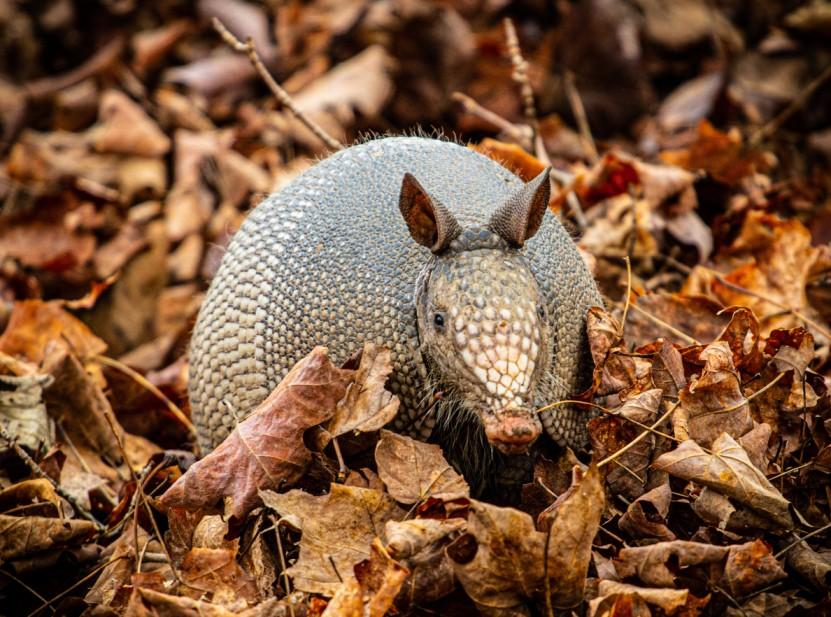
<point x="328" y="260"/>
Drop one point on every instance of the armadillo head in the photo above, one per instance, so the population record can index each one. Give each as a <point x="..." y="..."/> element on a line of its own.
<point x="482" y="321"/>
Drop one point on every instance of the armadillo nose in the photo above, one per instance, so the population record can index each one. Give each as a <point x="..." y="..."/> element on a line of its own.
<point x="512" y="430"/>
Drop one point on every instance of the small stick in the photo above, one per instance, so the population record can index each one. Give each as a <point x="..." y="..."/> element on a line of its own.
<point x="517" y="133"/>
<point x="283" y="565"/>
<point x="637" y="439"/>
<point x="773" y="125"/>
<point x="802" y="539"/>
<point x="745" y="401"/>
<point x="628" y="296"/>
<point x="662" y="323"/>
<point x="579" y="112"/>
<point x="565" y="178"/>
<point x="520" y="76"/>
<point x="96" y="570"/>
<point x="143" y="381"/>
<point x="36" y="470"/>
<point x="281" y="95"/>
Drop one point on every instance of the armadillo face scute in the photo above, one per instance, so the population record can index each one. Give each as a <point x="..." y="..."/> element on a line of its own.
<point x="328" y="260"/>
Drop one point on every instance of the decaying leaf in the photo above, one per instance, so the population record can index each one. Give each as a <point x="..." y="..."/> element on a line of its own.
<point x="266" y="449"/>
<point x="338" y="530"/>
<point x="23" y="536"/>
<point x="668" y="600"/>
<point x="413" y="471"/>
<point x="367" y="406"/>
<point x="508" y="566"/>
<point x="215" y="573"/>
<point x="729" y="471"/>
<point x="713" y="402"/>
<point x="610" y="433"/>
<point x="646" y="516"/>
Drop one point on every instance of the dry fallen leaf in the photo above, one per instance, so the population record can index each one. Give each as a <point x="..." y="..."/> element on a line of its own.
<point x="505" y="567"/>
<point x="668" y="600"/>
<point x="215" y="573"/>
<point x="713" y="402"/>
<point x="24" y="536"/>
<point x="609" y="433"/>
<point x="338" y="530"/>
<point x="729" y="471"/>
<point x="413" y="471"/>
<point x="266" y="449"/>
<point x="646" y="516"/>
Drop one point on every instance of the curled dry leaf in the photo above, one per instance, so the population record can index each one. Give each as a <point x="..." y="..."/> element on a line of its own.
<point x="380" y="578"/>
<point x="367" y="406"/>
<point x="265" y="450"/>
<point x="668" y="600"/>
<point x="21" y="404"/>
<point x="508" y="566"/>
<point x="338" y="529"/>
<point x="146" y="602"/>
<point x="24" y="536"/>
<point x="510" y="156"/>
<point x="413" y="470"/>
<point x="34" y="323"/>
<point x="713" y="401"/>
<point x="419" y="544"/>
<point x="215" y="573"/>
<point x="614" y="372"/>
<point x="609" y="434"/>
<point x="646" y="516"/>
<point x="751" y="566"/>
<point x="729" y="471"/>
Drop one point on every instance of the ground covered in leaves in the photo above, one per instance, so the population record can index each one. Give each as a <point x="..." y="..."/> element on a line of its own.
<point x="691" y="143"/>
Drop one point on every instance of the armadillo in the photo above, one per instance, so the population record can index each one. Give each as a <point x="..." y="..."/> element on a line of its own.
<point x="430" y="249"/>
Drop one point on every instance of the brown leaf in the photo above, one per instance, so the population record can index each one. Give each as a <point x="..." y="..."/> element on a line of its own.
<point x="215" y="571"/>
<point x="652" y="564"/>
<point x="507" y="566"/>
<point x="668" y="600"/>
<point x="610" y="433"/>
<point x="23" y="536"/>
<point x="266" y="449"/>
<point x="380" y="578"/>
<point x="78" y="403"/>
<point x="338" y="529"/>
<point x="367" y="406"/>
<point x="510" y="156"/>
<point x="695" y="316"/>
<point x="125" y="128"/>
<point x="149" y="603"/>
<point x="729" y="471"/>
<point x="51" y="246"/>
<point x="722" y="155"/>
<point x="413" y="470"/>
<point x="30" y="493"/>
<point x="615" y="370"/>
<point x="34" y="324"/>
<point x="646" y="516"/>
<point x="713" y="401"/>
<point x="751" y="566"/>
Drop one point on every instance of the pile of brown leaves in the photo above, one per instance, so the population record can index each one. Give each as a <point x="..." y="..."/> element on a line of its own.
<point x="691" y="147"/>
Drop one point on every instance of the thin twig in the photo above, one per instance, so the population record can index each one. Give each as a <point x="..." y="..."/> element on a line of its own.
<point x="565" y="179"/>
<point x="93" y="572"/>
<point x="773" y="125"/>
<point x="802" y="539"/>
<point x="628" y="296"/>
<point x="579" y="112"/>
<point x="549" y="609"/>
<point x="640" y="436"/>
<point x="36" y="470"/>
<point x="281" y="95"/>
<point x="670" y="327"/>
<point x="520" y="76"/>
<point x="745" y="401"/>
<point x="517" y="133"/>
<point x="283" y="565"/>
<point x="146" y="384"/>
<point x="791" y="470"/>
<point x="27" y="588"/>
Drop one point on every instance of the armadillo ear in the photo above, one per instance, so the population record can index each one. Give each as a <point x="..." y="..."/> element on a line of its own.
<point x="519" y="218"/>
<point x="429" y="221"/>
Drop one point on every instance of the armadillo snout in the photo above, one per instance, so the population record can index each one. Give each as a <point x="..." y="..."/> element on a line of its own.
<point x="511" y="430"/>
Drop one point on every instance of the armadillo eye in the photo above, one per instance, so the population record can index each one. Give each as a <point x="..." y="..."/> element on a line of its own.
<point x="438" y="321"/>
